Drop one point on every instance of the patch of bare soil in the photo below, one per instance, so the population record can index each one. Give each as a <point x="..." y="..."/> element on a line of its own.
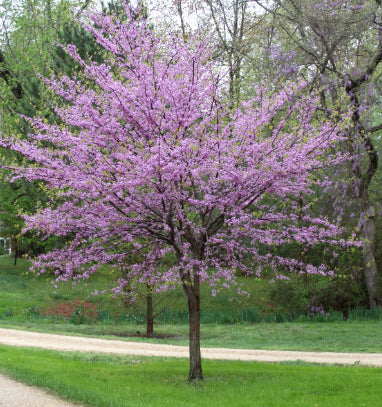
<point x="65" y="309"/>
<point x="139" y="334"/>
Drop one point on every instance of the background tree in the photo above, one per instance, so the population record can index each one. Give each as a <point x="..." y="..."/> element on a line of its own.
<point x="339" y="45"/>
<point x="144" y="297"/>
<point x="32" y="29"/>
<point x="229" y="24"/>
<point x="29" y="30"/>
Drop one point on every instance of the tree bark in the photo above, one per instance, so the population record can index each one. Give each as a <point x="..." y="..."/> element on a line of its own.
<point x="363" y="179"/>
<point x="149" y="311"/>
<point x="8" y="77"/>
<point x="193" y="299"/>
<point x="370" y="265"/>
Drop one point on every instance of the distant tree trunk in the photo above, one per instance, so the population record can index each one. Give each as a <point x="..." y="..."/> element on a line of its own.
<point x="9" y="78"/>
<point x="149" y="311"/>
<point x="15" y="248"/>
<point x="192" y="291"/>
<point x="370" y="265"/>
<point x="363" y="180"/>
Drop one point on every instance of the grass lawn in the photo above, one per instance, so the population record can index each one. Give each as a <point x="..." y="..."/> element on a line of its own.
<point x="23" y="294"/>
<point x="103" y="380"/>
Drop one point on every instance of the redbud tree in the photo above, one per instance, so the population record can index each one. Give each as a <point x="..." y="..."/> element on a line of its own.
<point x="147" y="153"/>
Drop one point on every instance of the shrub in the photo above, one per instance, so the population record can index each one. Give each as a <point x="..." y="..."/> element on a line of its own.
<point x="78" y="317"/>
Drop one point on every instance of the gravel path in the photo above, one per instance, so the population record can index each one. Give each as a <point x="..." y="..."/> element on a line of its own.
<point x="13" y="393"/>
<point x="81" y="344"/>
<point x="16" y="394"/>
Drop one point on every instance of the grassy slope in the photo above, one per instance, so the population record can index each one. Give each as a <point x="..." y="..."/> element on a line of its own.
<point x="21" y="292"/>
<point x="101" y="380"/>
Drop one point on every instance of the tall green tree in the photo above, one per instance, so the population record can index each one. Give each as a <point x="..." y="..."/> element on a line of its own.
<point x="339" y="46"/>
<point x="27" y="50"/>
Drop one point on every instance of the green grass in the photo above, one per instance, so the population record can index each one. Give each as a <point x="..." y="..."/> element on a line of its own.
<point x="136" y="381"/>
<point x="103" y="380"/>
<point x="23" y="295"/>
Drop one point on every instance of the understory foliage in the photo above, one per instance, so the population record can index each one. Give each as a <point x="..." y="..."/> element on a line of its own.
<point x="148" y="155"/>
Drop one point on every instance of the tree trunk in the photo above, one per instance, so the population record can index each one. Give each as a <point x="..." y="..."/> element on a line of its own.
<point x="370" y="267"/>
<point x="193" y="299"/>
<point x="15" y="248"/>
<point x="149" y="312"/>
<point x="364" y="178"/>
<point x="367" y="214"/>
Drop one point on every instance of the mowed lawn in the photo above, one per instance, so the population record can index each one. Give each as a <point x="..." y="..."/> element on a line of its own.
<point x="103" y="380"/>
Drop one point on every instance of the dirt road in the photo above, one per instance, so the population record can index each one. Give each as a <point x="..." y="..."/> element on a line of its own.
<point x="75" y="343"/>
<point x="15" y="394"/>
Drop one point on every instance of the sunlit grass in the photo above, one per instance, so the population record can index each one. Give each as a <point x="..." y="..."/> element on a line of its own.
<point x="103" y="380"/>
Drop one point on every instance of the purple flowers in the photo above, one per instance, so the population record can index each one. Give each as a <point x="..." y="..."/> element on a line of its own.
<point x="318" y="310"/>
